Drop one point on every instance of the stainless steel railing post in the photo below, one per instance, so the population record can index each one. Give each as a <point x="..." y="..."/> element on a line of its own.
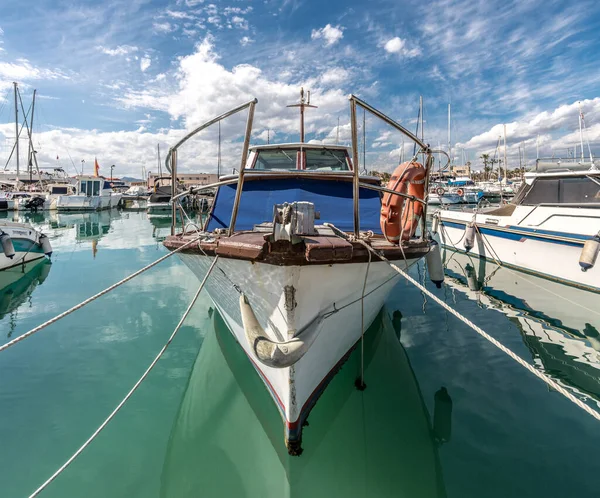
<point x="173" y="154"/>
<point x="240" y="183"/>
<point x="355" y="190"/>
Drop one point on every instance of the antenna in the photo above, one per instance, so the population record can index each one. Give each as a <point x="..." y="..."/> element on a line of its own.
<point x="337" y="134"/>
<point x="219" y="153"/>
<point x="303" y="103"/>
<point x="364" y="140"/>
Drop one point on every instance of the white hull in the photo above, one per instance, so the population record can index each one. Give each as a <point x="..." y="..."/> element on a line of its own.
<point x="436" y="199"/>
<point x="546" y="257"/>
<point x="26" y="242"/>
<point x="286" y="299"/>
<point x="87" y="203"/>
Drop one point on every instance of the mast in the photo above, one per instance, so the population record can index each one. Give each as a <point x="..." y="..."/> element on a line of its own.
<point x="449" y="136"/>
<point x="537" y="147"/>
<point x="581" y="130"/>
<point x="337" y="133"/>
<point x="422" y="122"/>
<point x="304" y="102"/>
<point x="16" y="128"/>
<point x="505" y="166"/>
<point x="158" y="158"/>
<point x="365" y="139"/>
<point x="31" y="151"/>
<point x="219" y="149"/>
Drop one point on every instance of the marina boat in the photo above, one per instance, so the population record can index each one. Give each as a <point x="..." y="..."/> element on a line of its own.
<point x="298" y="295"/>
<point x="160" y="198"/>
<point x="439" y="195"/>
<point x="93" y="193"/>
<point x="560" y="324"/>
<point x="45" y="201"/>
<point x="551" y="228"/>
<point x="20" y="243"/>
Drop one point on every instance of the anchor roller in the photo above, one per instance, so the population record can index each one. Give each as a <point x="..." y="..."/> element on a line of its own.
<point x="589" y="253"/>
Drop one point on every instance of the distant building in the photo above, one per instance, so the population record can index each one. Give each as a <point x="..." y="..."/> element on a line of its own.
<point x="464" y="170"/>
<point x="188" y="179"/>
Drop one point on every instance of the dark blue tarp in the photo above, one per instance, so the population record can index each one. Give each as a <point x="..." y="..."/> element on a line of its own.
<point x="332" y="199"/>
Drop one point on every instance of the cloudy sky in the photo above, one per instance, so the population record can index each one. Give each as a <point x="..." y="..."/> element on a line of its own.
<point x="115" y="78"/>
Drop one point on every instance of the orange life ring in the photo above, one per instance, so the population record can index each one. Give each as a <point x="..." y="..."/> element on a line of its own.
<point x="440" y="191"/>
<point x="460" y="192"/>
<point x="400" y="216"/>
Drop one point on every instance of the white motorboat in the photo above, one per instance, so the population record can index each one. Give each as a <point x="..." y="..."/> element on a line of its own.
<point x="439" y="195"/>
<point x="93" y="193"/>
<point x="551" y="229"/>
<point x="20" y="243"/>
<point x="45" y="201"/>
<point x="298" y="296"/>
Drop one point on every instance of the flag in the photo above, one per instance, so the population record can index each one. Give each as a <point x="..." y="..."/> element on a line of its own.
<point x="57" y="158"/>
<point x="96" y="167"/>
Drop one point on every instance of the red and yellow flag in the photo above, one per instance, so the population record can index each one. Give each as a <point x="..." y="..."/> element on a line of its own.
<point x="96" y="167"/>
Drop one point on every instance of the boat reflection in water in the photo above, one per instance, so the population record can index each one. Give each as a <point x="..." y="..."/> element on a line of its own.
<point x="560" y="324"/>
<point x="226" y="439"/>
<point x="16" y="286"/>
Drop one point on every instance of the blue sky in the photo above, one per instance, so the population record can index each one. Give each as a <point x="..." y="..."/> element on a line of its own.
<point x="117" y="77"/>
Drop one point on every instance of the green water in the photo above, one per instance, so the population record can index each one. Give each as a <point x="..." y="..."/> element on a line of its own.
<point x="202" y="425"/>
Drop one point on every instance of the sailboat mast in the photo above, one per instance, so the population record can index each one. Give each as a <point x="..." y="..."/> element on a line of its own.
<point x="449" y="136"/>
<point x="581" y="131"/>
<point x="16" y="128"/>
<point x="31" y="152"/>
<point x="158" y="158"/>
<point x="505" y="166"/>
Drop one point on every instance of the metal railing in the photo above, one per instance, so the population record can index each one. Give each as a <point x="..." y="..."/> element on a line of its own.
<point x="171" y="159"/>
<point x="354" y="176"/>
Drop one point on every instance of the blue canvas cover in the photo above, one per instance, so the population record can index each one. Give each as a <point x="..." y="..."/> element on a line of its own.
<point x="332" y="199"/>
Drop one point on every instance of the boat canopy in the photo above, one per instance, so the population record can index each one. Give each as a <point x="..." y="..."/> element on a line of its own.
<point x="561" y="189"/>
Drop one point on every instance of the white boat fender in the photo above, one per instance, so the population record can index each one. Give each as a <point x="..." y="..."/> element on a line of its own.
<point x="434" y="264"/>
<point x="435" y="223"/>
<point x="7" y="246"/>
<point x="589" y="253"/>
<point x="469" y="237"/>
<point x="44" y="243"/>
<point x="442" y="416"/>
<point x="277" y="354"/>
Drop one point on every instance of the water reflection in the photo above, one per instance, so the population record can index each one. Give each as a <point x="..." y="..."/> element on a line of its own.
<point x="226" y="439"/>
<point x="16" y="286"/>
<point x="559" y="323"/>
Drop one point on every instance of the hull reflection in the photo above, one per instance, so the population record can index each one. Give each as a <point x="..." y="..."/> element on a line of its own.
<point x="226" y="440"/>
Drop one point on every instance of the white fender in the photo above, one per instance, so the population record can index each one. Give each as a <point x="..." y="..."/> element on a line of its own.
<point x="277" y="354"/>
<point x="469" y="237"/>
<point x="44" y="242"/>
<point x="7" y="246"/>
<point x="434" y="264"/>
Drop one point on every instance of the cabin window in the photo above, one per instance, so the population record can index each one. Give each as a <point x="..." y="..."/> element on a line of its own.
<point x="574" y="190"/>
<point x="326" y="160"/>
<point x="276" y="159"/>
<point x="60" y="190"/>
<point x="96" y="188"/>
<point x="84" y="187"/>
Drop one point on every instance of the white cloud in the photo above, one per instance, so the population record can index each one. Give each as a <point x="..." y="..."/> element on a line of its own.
<point x="239" y="22"/>
<point x="330" y="34"/>
<point x="163" y="27"/>
<point x="246" y="40"/>
<point x="23" y="70"/>
<point x="397" y="45"/>
<point x="178" y="14"/>
<point x="119" y="50"/>
<point x="335" y="75"/>
<point x="145" y="63"/>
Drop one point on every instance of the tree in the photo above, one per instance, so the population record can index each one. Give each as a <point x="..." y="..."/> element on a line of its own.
<point x="486" y="159"/>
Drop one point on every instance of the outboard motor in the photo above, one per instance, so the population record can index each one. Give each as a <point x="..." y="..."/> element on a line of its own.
<point x="34" y="203"/>
<point x="7" y="245"/>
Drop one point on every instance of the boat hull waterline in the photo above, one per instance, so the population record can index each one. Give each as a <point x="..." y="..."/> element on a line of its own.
<point x="535" y="252"/>
<point x="286" y="299"/>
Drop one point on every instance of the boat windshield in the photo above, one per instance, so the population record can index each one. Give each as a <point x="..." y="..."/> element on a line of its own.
<point x="326" y="159"/>
<point x="276" y="159"/>
<point x="565" y="190"/>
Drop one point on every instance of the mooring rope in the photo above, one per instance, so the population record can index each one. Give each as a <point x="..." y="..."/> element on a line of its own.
<point x="131" y="391"/>
<point x="550" y="382"/>
<point x="93" y="298"/>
